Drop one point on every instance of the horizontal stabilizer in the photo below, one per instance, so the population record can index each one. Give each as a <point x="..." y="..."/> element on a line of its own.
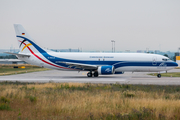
<point x="20" y="55"/>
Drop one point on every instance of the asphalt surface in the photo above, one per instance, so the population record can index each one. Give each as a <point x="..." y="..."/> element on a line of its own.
<point x="72" y="76"/>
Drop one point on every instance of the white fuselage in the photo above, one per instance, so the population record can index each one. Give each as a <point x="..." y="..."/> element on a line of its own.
<point x="134" y="62"/>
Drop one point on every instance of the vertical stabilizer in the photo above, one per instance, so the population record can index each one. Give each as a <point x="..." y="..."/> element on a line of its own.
<point x="25" y="41"/>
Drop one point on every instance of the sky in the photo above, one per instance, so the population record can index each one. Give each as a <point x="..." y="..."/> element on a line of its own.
<point x="92" y="24"/>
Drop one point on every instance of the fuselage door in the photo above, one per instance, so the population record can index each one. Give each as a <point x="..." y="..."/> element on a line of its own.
<point x="154" y="61"/>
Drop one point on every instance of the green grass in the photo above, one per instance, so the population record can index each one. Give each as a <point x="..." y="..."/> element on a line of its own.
<point x="4" y="100"/>
<point x="9" y="69"/>
<point x="176" y="74"/>
<point x="4" y="103"/>
<point x="4" y="106"/>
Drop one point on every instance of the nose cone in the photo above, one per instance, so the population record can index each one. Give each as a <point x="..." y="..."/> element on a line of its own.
<point x="175" y="64"/>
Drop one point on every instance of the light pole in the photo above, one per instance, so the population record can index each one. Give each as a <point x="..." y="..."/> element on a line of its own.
<point x="112" y="45"/>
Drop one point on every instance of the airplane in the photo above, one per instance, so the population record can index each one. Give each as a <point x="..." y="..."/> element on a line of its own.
<point x="95" y="63"/>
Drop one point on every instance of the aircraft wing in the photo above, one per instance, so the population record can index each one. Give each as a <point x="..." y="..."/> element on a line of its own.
<point x="83" y="66"/>
<point x="20" y="55"/>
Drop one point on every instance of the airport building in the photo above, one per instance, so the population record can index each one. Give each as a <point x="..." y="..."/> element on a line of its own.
<point x="11" y="61"/>
<point x="178" y="60"/>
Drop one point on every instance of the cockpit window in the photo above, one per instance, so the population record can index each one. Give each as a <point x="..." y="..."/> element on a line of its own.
<point x="164" y="59"/>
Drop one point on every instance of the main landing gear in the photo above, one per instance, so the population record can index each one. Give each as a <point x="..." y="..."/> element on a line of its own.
<point x="159" y="75"/>
<point x="90" y="74"/>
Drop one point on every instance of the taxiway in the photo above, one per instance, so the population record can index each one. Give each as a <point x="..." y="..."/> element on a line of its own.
<point x="72" y="76"/>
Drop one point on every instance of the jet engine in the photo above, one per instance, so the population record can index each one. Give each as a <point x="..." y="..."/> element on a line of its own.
<point x="106" y="70"/>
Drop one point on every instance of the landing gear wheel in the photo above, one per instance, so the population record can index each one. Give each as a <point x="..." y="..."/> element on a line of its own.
<point x="96" y="74"/>
<point x="159" y="75"/>
<point x="89" y="74"/>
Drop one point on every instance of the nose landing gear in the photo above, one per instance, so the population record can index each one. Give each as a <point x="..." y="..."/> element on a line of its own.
<point x="159" y="75"/>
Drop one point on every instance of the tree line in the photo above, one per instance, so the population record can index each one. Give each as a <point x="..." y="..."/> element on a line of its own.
<point x="8" y="57"/>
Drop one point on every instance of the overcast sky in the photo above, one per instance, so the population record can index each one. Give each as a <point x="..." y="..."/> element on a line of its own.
<point x="92" y="24"/>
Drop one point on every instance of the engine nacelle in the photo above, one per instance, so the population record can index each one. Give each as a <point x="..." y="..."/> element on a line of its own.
<point x="106" y="70"/>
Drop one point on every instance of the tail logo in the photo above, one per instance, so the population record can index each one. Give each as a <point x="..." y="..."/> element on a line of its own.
<point x="22" y="43"/>
<point x="26" y="45"/>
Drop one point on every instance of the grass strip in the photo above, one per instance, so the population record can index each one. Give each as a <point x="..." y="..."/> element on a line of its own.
<point x="10" y="70"/>
<point x="88" y="101"/>
<point x="176" y="74"/>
